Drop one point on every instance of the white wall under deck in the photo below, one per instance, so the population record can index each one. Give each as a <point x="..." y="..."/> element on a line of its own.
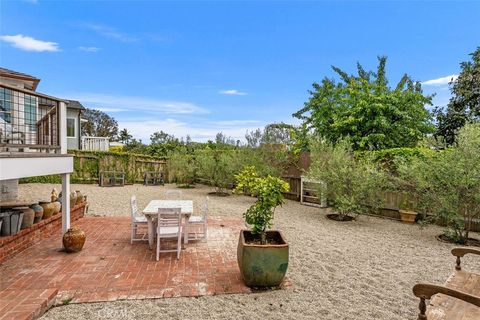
<point x="22" y="167"/>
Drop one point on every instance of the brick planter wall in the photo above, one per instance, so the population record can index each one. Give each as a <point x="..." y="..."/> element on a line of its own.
<point x="11" y="245"/>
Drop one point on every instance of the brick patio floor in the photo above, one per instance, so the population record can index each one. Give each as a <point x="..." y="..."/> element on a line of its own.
<point x="109" y="268"/>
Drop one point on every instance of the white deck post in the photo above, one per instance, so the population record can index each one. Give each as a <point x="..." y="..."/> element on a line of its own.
<point x="62" y="109"/>
<point x="65" y="202"/>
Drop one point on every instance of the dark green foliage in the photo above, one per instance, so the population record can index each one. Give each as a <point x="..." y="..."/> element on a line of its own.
<point x="352" y="184"/>
<point x="364" y="108"/>
<point x="388" y="158"/>
<point x="99" y="124"/>
<point x="464" y="106"/>
<point x="447" y="183"/>
<point x="124" y="136"/>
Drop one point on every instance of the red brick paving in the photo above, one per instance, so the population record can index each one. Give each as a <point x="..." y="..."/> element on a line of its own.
<point x="109" y="268"/>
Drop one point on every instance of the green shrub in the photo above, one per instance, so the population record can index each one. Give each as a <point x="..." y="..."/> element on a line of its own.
<point x="181" y="169"/>
<point x="447" y="183"/>
<point x="218" y="168"/>
<point x="350" y="183"/>
<point x="388" y="158"/>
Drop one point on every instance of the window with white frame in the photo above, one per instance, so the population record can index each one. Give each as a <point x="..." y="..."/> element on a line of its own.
<point x="71" y="127"/>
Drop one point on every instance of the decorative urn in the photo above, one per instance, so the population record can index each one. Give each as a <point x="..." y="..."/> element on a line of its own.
<point x="73" y="240"/>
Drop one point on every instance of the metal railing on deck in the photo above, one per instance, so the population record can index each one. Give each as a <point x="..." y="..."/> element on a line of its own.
<point x="29" y="121"/>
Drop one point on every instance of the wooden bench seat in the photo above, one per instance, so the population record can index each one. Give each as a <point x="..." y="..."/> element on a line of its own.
<point x="458" y="299"/>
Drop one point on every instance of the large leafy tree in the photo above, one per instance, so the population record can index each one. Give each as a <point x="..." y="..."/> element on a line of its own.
<point x="364" y="108"/>
<point x="99" y="124"/>
<point x="160" y="137"/>
<point x="464" y="106"/>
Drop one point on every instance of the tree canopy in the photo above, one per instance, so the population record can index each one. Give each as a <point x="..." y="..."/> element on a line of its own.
<point x="464" y="106"/>
<point x="364" y="108"/>
<point x="99" y="124"/>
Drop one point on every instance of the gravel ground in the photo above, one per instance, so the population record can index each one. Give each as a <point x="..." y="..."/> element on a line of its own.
<point x="363" y="269"/>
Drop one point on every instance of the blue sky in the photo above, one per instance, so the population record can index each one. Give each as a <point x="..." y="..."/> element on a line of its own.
<point x="202" y="67"/>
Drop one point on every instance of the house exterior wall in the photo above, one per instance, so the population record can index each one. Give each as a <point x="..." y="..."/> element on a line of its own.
<point x="73" y="143"/>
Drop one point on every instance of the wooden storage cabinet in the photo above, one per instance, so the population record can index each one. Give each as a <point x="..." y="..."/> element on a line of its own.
<point x="309" y="193"/>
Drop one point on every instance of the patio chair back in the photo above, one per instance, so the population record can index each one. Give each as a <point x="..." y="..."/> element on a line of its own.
<point x="169" y="225"/>
<point x="134" y="208"/>
<point x="173" y="194"/>
<point x="169" y="217"/>
<point x="138" y="219"/>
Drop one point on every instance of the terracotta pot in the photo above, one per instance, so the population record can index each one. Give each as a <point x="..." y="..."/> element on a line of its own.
<point x="73" y="240"/>
<point x="79" y="197"/>
<point x="38" y="209"/>
<point x="57" y="206"/>
<point x="28" y="216"/>
<point x="48" y="208"/>
<point x="408" y="216"/>
<point x="73" y="199"/>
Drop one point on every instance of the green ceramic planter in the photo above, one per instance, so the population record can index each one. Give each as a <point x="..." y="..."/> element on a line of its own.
<point x="262" y="265"/>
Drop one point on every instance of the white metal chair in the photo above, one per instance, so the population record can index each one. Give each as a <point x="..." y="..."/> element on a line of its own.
<point x="172" y="194"/>
<point x="137" y="220"/>
<point x="169" y="225"/>
<point x="199" y="221"/>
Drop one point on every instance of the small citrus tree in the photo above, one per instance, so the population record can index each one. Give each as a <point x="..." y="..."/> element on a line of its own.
<point x="269" y="193"/>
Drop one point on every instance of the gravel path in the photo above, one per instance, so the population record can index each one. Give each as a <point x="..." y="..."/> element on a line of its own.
<point x="363" y="269"/>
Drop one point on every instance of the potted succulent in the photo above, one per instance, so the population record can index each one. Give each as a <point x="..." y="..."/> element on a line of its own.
<point x="407" y="207"/>
<point x="262" y="255"/>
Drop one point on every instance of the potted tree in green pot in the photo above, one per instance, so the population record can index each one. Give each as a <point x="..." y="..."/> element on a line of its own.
<point x="262" y="254"/>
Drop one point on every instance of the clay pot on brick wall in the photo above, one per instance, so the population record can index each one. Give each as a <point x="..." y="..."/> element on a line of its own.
<point x="73" y="199"/>
<point x="28" y="216"/>
<point x="73" y="240"/>
<point x="79" y="197"/>
<point x="38" y="209"/>
<point x="48" y="209"/>
<point x="57" y="205"/>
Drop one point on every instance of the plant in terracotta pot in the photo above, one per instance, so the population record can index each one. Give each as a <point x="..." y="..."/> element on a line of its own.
<point x="262" y="254"/>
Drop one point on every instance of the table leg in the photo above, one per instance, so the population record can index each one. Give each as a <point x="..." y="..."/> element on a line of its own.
<point x="150" y="231"/>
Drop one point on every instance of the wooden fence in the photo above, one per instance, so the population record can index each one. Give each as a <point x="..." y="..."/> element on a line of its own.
<point x="87" y="165"/>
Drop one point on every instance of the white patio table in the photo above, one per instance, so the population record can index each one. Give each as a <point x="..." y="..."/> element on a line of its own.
<point x="151" y="212"/>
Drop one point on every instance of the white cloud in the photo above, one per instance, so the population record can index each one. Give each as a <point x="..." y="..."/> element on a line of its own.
<point x="235" y="122"/>
<point x="232" y="92"/>
<point x="120" y="103"/>
<point x="143" y="129"/>
<point x="440" y="81"/>
<point x="30" y="44"/>
<point x="89" y="49"/>
<point x="110" y="32"/>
